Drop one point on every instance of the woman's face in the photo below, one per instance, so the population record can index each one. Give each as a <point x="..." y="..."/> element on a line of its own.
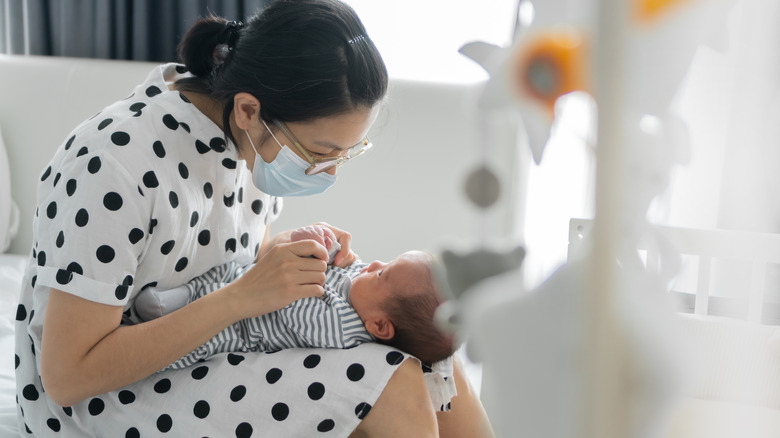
<point x="323" y="137"/>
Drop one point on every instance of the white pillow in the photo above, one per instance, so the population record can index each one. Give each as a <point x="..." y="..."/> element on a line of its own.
<point x="9" y="212"/>
<point x="11" y="272"/>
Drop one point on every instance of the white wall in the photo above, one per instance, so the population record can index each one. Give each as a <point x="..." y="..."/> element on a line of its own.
<point x="419" y="39"/>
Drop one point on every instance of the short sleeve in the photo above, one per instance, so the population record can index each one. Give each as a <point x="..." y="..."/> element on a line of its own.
<point x="274" y="209"/>
<point x="91" y="225"/>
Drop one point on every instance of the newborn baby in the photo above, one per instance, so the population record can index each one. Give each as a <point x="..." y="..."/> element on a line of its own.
<point x="391" y="303"/>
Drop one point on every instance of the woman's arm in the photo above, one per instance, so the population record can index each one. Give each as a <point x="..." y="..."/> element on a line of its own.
<point x="86" y="352"/>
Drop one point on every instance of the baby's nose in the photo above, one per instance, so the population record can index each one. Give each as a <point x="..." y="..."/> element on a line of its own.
<point x="376" y="264"/>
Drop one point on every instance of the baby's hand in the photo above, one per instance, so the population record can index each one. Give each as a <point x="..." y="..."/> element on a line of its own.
<point x="322" y="235"/>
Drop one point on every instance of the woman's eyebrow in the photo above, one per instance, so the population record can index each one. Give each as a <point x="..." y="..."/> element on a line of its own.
<point x="329" y="145"/>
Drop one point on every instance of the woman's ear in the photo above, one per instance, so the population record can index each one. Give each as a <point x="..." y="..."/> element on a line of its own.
<point x="246" y="110"/>
<point x="381" y="328"/>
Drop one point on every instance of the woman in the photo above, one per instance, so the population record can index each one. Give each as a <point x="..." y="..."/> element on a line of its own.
<point x="160" y="187"/>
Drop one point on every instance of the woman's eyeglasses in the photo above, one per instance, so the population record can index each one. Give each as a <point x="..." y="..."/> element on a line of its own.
<point x="323" y="164"/>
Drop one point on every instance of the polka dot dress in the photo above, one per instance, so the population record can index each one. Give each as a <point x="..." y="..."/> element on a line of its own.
<point x="147" y="193"/>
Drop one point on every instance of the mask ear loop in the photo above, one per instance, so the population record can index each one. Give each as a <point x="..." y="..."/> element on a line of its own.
<point x="250" y="141"/>
<point x="269" y="131"/>
<point x="272" y="134"/>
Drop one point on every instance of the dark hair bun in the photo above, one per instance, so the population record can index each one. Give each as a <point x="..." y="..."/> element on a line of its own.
<point x="197" y="47"/>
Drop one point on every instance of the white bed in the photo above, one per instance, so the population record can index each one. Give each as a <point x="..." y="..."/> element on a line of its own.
<point x="11" y="270"/>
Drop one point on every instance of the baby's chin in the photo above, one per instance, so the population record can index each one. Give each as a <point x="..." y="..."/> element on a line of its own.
<point x="357" y="284"/>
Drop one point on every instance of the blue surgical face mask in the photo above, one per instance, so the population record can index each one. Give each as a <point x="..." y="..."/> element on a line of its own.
<point x="286" y="174"/>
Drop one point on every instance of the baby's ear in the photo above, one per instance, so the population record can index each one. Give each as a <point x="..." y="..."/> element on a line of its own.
<point x="381" y="328"/>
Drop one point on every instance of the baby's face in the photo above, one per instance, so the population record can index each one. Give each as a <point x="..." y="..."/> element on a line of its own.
<point x="379" y="282"/>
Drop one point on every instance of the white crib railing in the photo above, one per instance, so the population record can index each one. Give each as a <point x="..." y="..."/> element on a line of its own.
<point x="713" y="249"/>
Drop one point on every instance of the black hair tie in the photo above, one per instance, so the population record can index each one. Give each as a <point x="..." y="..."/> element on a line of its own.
<point x="229" y="35"/>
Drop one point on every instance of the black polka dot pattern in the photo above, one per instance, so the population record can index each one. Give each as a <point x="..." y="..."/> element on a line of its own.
<point x="235" y="359"/>
<point x="112" y="201"/>
<point x="30" y="392"/>
<point x="21" y="313"/>
<point x="244" y="430"/>
<point x="135" y="235"/>
<point x="316" y="391"/>
<point x="82" y="217"/>
<point x="126" y="397"/>
<point x="153" y="91"/>
<point x="201" y="409"/>
<point x="159" y="149"/>
<point x="280" y="411"/>
<point x="54" y="424"/>
<point x="96" y="406"/>
<point x="94" y="165"/>
<point x="164" y="423"/>
<point x="162" y="386"/>
<point x="202" y="147"/>
<point x="120" y="138"/>
<point x="184" y="172"/>
<point x="105" y="253"/>
<point x="326" y="425"/>
<point x="362" y="409"/>
<point x="200" y="372"/>
<point x="355" y="372"/>
<point x="273" y="375"/>
<point x="150" y="180"/>
<point x="238" y="393"/>
<point x="167" y="247"/>
<point x="104" y="123"/>
<point x="394" y="358"/>
<point x="312" y="361"/>
<point x="137" y="109"/>
<point x="71" y="187"/>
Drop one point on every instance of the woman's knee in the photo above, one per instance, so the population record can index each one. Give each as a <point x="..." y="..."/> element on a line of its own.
<point x="404" y="408"/>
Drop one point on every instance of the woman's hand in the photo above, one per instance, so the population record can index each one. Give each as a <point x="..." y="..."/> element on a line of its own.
<point x="285" y="273"/>
<point x="345" y="257"/>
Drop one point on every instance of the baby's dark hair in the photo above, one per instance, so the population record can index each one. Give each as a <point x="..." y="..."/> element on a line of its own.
<point x="302" y="59"/>
<point x="412" y="316"/>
